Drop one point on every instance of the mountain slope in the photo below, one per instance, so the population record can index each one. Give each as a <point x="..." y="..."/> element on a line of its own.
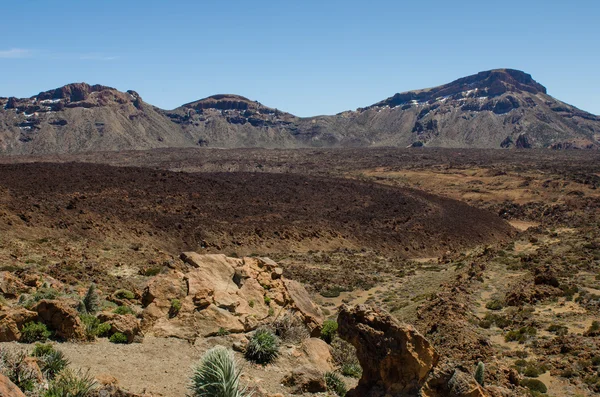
<point x="500" y="108"/>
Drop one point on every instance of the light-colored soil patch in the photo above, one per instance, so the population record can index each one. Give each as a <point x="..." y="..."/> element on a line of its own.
<point x="558" y="387"/>
<point x="163" y="366"/>
<point x="522" y="225"/>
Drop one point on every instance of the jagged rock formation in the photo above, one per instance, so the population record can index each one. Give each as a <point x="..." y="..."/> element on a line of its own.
<point x="397" y="360"/>
<point x="500" y="108"/>
<point x="221" y="294"/>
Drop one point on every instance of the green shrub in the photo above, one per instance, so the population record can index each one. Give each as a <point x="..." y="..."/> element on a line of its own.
<point x="344" y="357"/>
<point x="53" y="363"/>
<point x="45" y="293"/>
<point x="34" y="332"/>
<point x="71" y="384"/>
<point x="263" y="347"/>
<point x="124" y="294"/>
<point x="335" y="384"/>
<point x="352" y="370"/>
<point x="91" y="324"/>
<point x="217" y="374"/>
<point x="175" y="307"/>
<point x="480" y="373"/>
<point x="251" y="303"/>
<point x="91" y="300"/>
<point x="534" y="385"/>
<point x="222" y="332"/>
<point x="558" y="329"/>
<point x="11" y="366"/>
<point x="41" y="349"/>
<point x="267" y="300"/>
<point x="124" y="310"/>
<point x="594" y="328"/>
<point x="333" y="292"/>
<point x="118" y="337"/>
<point x="329" y="330"/>
<point x="520" y="335"/>
<point x="494" y="305"/>
<point x="103" y="329"/>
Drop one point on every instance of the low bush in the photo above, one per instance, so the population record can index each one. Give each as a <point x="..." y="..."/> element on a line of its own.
<point x="34" y="332"/>
<point x="494" y="305"/>
<point x="521" y="335"/>
<point x="335" y="384"/>
<point x="175" y="307"/>
<point x="118" y="337"/>
<point x="263" y="347"/>
<point x="558" y="329"/>
<point x="289" y="328"/>
<point x="103" y="330"/>
<point x="41" y="349"/>
<point x="535" y="385"/>
<point x="352" y="370"/>
<point x="329" y="330"/>
<point x="124" y="310"/>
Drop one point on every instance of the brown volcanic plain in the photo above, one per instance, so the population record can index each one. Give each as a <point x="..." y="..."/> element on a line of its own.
<point x="241" y="212"/>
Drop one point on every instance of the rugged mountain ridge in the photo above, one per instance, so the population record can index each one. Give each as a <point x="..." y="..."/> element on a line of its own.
<point x="499" y="108"/>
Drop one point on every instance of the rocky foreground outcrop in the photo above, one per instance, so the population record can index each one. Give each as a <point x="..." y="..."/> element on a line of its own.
<point x="397" y="360"/>
<point x="220" y="295"/>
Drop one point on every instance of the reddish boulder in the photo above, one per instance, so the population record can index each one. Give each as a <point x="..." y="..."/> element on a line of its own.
<point x="61" y="318"/>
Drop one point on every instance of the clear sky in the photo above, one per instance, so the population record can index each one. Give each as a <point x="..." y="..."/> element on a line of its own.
<point x="306" y="57"/>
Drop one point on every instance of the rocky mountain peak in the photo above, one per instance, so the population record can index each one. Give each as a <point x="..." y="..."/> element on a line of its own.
<point x="74" y="92"/>
<point x="224" y="102"/>
<point x="488" y="84"/>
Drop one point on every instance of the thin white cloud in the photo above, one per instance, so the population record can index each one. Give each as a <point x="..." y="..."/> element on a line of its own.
<point x="15" y="53"/>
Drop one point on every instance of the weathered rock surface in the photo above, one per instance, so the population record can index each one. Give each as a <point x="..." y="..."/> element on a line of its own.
<point x="396" y="359"/>
<point x="220" y="294"/>
<point x="317" y="354"/>
<point x="11" y="286"/>
<point x="11" y="322"/>
<point x="61" y="318"/>
<point x="126" y="324"/>
<point x="305" y="380"/>
<point x="9" y="389"/>
<point x="448" y="381"/>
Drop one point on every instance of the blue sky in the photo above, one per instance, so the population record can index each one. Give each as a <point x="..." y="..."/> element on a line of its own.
<point x="306" y="57"/>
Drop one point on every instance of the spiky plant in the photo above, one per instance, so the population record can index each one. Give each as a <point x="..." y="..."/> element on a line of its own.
<point x="71" y="384"/>
<point x="480" y="373"/>
<point x="53" y="363"/>
<point x="335" y="384"/>
<point x="217" y="375"/>
<point x="91" y="300"/>
<point x="263" y="347"/>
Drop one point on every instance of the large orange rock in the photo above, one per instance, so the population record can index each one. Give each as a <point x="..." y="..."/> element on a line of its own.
<point x="9" y="389"/>
<point x="11" y="286"/>
<point x="61" y="318"/>
<point x="126" y="324"/>
<point x="11" y="322"/>
<point x="219" y="293"/>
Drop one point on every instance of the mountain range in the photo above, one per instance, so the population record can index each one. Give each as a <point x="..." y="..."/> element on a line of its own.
<point x="501" y="108"/>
